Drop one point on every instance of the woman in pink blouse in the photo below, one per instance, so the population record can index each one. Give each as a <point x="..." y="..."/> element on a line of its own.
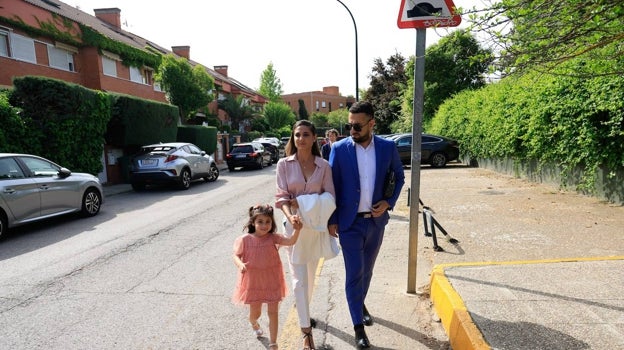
<point x="303" y="172"/>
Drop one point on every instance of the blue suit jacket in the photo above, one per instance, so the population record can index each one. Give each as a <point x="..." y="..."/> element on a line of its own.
<point x="343" y="161"/>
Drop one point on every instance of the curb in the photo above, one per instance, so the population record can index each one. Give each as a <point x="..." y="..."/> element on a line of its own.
<point x="462" y="332"/>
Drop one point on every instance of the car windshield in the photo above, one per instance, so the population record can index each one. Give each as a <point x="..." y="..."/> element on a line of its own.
<point x="242" y="149"/>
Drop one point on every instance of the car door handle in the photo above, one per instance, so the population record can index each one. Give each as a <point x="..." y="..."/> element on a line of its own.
<point x="44" y="187"/>
<point x="9" y="191"/>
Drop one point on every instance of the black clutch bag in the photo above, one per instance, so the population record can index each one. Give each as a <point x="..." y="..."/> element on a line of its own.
<point x="389" y="184"/>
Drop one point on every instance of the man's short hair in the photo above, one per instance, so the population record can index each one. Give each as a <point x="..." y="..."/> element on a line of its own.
<point x="363" y="107"/>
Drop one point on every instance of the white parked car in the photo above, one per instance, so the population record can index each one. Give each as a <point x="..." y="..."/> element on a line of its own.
<point x="177" y="163"/>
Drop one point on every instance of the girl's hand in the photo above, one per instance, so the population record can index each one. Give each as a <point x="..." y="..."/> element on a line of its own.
<point x="294" y="220"/>
<point x="242" y="267"/>
<point x="298" y="225"/>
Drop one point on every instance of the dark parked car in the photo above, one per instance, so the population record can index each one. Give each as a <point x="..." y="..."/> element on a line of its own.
<point x="176" y="163"/>
<point x="285" y="140"/>
<point x="249" y="154"/>
<point x="274" y="146"/>
<point x="33" y="188"/>
<point x="435" y="150"/>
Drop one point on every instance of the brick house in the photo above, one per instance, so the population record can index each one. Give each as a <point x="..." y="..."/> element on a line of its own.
<point x="50" y="38"/>
<point x="319" y="101"/>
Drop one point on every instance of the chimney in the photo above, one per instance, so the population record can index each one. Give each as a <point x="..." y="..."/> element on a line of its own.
<point x="182" y="51"/>
<point x="111" y="16"/>
<point x="331" y="90"/>
<point x="221" y="70"/>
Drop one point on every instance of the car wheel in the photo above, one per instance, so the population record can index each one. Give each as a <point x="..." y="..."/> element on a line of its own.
<point x="261" y="163"/>
<point x="4" y="226"/>
<point x="438" y="160"/>
<point x="91" y="202"/>
<point x="185" y="179"/>
<point x="138" y="186"/>
<point x="213" y="174"/>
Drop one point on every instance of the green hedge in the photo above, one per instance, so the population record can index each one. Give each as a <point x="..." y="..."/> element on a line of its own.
<point x="575" y="123"/>
<point x="136" y="122"/>
<point x="60" y="121"/>
<point x="13" y="132"/>
<point x="205" y="137"/>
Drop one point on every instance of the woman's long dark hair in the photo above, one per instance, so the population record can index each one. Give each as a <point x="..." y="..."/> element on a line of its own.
<point x="291" y="148"/>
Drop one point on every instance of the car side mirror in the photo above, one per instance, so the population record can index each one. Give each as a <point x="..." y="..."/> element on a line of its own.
<point x="64" y="172"/>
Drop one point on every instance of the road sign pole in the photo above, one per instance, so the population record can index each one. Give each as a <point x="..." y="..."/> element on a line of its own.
<point x="419" y="86"/>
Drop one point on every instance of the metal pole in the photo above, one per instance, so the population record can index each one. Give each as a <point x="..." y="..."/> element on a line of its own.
<point x="419" y="86"/>
<point x="357" y="89"/>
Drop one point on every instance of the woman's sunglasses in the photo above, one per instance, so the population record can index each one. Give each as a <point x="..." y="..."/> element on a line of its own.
<point x="357" y="127"/>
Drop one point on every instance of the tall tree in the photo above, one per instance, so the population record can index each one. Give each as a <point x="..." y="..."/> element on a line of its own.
<point x="338" y="118"/>
<point x="303" y="112"/>
<point x="278" y="115"/>
<point x="542" y="34"/>
<point x="189" y="88"/>
<point x="237" y="108"/>
<point x="457" y="62"/>
<point x="384" y="92"/>
<point x="270" y="84"/>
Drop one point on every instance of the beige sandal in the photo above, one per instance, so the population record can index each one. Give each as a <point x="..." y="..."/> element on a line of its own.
<point x="308" y="341"/>
<point x="257" y="331"/>
<point x="273" y="346"/>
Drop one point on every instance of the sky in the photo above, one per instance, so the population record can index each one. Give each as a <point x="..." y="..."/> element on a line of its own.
<point x="311" y="44"/>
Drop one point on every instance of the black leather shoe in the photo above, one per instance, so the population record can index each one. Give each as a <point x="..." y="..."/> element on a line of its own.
<point x="367" y="319"/>
<point x="361" y="340"/>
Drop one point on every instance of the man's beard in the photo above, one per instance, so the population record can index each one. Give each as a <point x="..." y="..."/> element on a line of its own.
<point x="361" y="138"/>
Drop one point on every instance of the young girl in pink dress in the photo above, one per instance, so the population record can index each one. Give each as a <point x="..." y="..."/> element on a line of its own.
<point x="261" y="277"/>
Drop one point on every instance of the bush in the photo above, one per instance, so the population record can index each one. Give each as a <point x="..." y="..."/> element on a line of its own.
<point x="64" y="122"/>
<point x="575" y="123"/>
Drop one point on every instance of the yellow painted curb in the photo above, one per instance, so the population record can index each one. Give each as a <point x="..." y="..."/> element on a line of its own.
<point x="462" y="332"/>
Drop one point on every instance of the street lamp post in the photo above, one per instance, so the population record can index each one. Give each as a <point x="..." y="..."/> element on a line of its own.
<point x="357" y="89"/>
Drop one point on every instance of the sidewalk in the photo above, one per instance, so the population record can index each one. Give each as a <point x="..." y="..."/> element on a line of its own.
<point x="535" y="268"/>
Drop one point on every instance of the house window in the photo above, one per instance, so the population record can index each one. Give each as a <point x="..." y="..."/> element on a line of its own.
<point x="317" y="106"/>
<point x="137" y="75"/>
<point x="60" y="58"/>
<point x="109" y="66"/>
<point x="323" y="104"/>
<point x="4" y="44"/>
<point x="23" y="48"/>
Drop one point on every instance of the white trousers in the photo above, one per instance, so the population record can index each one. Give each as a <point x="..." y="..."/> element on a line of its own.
<point x="303" y="276"/>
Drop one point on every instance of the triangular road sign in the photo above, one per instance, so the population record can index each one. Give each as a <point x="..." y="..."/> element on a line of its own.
<point x="428" y="13"/>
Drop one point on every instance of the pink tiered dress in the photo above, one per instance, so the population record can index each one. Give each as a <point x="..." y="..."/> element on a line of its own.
<point x="263" y="282"/>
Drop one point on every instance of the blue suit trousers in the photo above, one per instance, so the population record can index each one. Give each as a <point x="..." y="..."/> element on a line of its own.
<point x="360" y="246"/>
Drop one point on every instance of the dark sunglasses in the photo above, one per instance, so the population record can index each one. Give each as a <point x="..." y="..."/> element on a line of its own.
<point x="357" y="127"/>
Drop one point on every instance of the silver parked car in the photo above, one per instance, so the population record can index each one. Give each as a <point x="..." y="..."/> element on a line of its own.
<point x="177" y="163"/>
<point x="33" y="188"/>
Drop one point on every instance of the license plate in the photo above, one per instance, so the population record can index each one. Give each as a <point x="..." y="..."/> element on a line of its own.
<point x="241" y="156"/>
<point x="149" y="162"/>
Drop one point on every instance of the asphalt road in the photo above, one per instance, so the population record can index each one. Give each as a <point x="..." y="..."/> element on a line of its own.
<point x="152" y="271"/>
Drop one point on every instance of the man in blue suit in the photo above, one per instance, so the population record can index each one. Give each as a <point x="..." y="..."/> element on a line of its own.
<point x="360" y="164"/>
